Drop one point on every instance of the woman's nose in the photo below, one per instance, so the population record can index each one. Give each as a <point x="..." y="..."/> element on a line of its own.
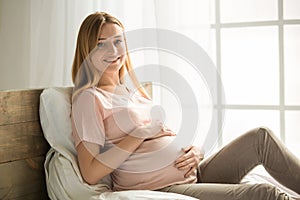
<point x="112" y="48"/>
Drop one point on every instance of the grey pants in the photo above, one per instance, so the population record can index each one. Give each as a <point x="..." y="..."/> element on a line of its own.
<point x="220" y="175"/>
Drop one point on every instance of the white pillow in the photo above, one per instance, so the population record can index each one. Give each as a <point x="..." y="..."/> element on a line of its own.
<point x="55" y="112"/>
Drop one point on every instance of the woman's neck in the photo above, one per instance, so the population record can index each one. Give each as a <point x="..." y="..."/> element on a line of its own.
<point x="109" y="80"/>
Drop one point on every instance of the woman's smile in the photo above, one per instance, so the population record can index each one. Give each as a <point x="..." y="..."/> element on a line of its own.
<point x="112" y="60"/>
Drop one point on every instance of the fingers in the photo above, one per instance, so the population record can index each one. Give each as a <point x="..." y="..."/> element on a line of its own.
<point x="170" y="133"/>
<point x="186" y="164"/>
<point x="190" y="159"/>
<point x="185" y="156"/>
<point x="147" y="131"/>
<point x="161" y="135"/>
<point x="192" y="169"/>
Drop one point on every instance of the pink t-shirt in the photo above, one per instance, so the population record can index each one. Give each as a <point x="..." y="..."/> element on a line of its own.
<point x="104" y="118"/>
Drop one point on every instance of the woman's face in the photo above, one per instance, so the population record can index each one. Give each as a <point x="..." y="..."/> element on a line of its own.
<point x="109" y="54"/>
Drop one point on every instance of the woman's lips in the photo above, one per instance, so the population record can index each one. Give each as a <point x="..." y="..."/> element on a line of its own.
<point x="112" y="60"/>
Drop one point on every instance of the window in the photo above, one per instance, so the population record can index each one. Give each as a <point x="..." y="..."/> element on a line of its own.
<point x="257" y="54"/>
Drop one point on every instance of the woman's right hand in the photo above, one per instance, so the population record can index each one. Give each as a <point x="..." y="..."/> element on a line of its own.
<point x="151" y="131"/>
<point x="163" y="132"/>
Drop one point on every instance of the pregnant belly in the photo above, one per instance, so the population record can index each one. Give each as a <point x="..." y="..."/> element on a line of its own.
<point x="152" y="155"/>
<point x="151" y="167"/>
<point x="151" y="180"/>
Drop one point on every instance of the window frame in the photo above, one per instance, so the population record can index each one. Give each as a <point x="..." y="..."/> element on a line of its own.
<point x="217" y="26"/>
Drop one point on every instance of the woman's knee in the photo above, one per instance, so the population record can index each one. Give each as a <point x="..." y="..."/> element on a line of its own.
<point x="266" y="192"/>
<point x="259" y="133"/>
<point x="264" y="131"/>
<point x="273" y="192"/>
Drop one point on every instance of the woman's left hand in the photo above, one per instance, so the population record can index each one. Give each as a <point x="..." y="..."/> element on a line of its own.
<point x="190" y="159"/>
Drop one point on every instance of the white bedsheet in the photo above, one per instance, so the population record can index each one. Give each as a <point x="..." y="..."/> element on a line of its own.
<point x="259" y="176"/>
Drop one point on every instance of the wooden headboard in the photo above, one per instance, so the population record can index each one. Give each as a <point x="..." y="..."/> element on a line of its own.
<point x="22" y="145"/>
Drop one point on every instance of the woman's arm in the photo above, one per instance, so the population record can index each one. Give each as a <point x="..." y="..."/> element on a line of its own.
<point x="95" y="166"/>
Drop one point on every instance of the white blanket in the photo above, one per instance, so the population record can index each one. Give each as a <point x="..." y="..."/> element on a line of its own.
<point x="64" y="181"/>
<point x="259" y="175"/>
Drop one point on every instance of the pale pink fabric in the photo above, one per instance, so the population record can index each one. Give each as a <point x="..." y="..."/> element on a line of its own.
<point x="104" y="118"/>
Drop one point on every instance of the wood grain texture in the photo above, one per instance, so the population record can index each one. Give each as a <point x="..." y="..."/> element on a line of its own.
<point x="22" y="141"/>
<point x="19" y="106"/>
<point x="23" y="179"/>
<point x="22" y="146"/>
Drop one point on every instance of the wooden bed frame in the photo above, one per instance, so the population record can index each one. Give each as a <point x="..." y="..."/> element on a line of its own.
<point x="22" y="145"/>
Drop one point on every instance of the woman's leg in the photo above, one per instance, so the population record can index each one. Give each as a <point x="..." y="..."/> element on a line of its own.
<point x="205" y="191"/>
<point x="258" y="146"/>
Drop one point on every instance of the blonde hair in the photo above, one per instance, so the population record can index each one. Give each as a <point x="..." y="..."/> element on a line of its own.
<point x="86" y="42"/>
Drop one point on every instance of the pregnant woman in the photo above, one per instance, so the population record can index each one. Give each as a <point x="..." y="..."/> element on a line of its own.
<point x="117" y="134"/>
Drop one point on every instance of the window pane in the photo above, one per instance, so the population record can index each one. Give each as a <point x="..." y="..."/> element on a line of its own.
<point x="292" y="63"/>
<point x="248" y="10"/>
<point x="238" y="122"/>
<point x="291" y="9"/>
<point x="292" y="127"/>
<point x="249" y="65"/>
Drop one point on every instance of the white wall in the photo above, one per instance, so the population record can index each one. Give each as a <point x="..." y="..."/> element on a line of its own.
<point x="14" y="44"/>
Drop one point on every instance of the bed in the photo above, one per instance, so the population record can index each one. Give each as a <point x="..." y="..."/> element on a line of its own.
<point x="28" y="146"/>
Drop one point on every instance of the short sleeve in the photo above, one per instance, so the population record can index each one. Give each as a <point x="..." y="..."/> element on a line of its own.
<point x="87" y="119"/>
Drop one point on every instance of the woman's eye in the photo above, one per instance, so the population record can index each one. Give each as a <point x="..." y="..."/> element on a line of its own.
<point x="118" y="41"/>
<point x="100" y="44"/>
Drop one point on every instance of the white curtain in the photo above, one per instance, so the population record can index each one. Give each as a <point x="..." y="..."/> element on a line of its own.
<point x="54" y="26"/>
